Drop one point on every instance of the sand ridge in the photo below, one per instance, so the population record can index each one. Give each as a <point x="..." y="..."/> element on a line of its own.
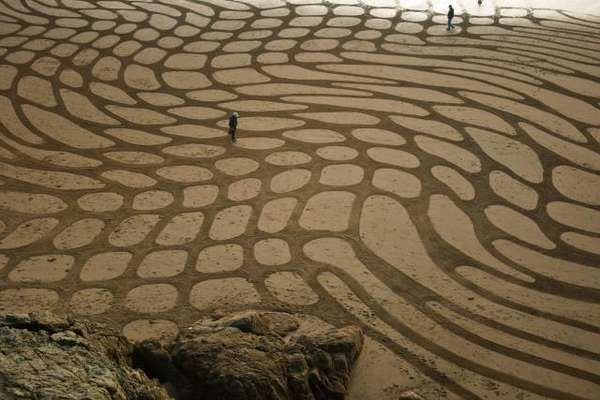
<point x="435" y="188"/>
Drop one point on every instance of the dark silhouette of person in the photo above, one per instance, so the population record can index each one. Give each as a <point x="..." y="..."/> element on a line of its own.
<point x="233" y="122"/>
<point x="450" y="16"/>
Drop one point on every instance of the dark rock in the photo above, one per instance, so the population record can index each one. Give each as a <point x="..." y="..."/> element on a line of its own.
<point x="255" y="356"/>
<point x="43" y="356"/>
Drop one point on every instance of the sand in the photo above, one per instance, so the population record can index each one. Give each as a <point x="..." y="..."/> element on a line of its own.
<point x="438" y="189"/>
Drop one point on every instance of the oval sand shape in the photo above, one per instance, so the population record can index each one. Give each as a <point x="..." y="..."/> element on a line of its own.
<point x="400" y="183"/>
<point x="241" y="46"/>
<point x="185" y="173"/>
<point x="456" y="155"/>
<point x="134" y="157"/>
<point x="92" y="301"/>
<point x="272" y="252"/>
<point x="293" y="72"/>
<point x="265" y="124"/>
<point x="287" y="89"/>
<point x="244" y="189"/>
<point x="332" y="33"/>
<point x="276" y="214"/>
<point x="137" y="137"/>
<point x="574" y="215"/>
<point x="236" y="166"/>
<point x="341" y="175"/>
<point x="455" y="181"/>
<point x="50" y="179"/>
<point x="162" y="264"/>
<point x="315" y="135"/>
<point x="211" y="95"/>
<point x="46" y="268"/>
<point x="63" y="130"/>
<point x="281" y="45"/>
<point x="259" y="143"/>
<point x="133" y="230"/>
<point x="200" y="196"/>
<point x="105" y="266"/>
<point x="289" y="287"/>
<point x="197" y="112"/>
<point x="140" y="77"/>
<point x="319" y="44"/>
<point x="31" y="203"/>
<point x="239" y="76"/>
<point x="194" y="150"/>
<point x="235" y="60"/>
<point x="518" y="157"/>
<point x="392" y="156"/>
<point x="107" y="69"/>
<point x="477" y="117"/>
<point x="518" y="225"/>
<point x="290" y="180"/>
<point x="220" y="258"/>
<point x="315" y="9"/>
<point x="551" y="267"/>
<point x="187" y="80"/>
<point x="430" y="127"/>
<point x="230" y="222"/>
<point x="194" y="131"/>
<point x="28" y="233"/>
<point x="329" y="211"/>
<point x="150" y="329"/>
<point x="161" y="99"/>
<point x="80" y="233"/>
<point x="128" y="178"/>
<point x="181" y="229"/>
<point x="152" y="200"/>
<point x="378" y="136"/>
<point x="337" y="153"/>
<point x="582" y="242"/>
<point x="343" y="118"/>
<point x="26" y="300"/>
<point x="407" y="92"/>
<point x="379" y="105"/>
<point x="577" y="184"/>
<point x="154" y="298"/>
<point x="288" y="158"/>
<point x="261" y="106"/>
<point x="513" y="190"/>
<point x="82" y="108"/>
<point x="100" y="202"/>
<point x="112" y="93"/>
<point x="141" y="116"/>
<point x="36" y="90"/>
<point x="224" y="292"/>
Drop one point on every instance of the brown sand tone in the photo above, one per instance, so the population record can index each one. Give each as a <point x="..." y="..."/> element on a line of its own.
<point x="440" y="190"/>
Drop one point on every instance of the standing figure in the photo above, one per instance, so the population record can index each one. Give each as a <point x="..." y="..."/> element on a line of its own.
<point x="450" y="16"/>
<point x="233" y="121"/>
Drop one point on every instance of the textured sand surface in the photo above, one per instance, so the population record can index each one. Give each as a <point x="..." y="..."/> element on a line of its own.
<point x="441" y="189"/>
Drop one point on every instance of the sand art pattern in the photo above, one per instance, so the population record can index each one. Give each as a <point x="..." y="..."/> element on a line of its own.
<point x="440" y="189"/>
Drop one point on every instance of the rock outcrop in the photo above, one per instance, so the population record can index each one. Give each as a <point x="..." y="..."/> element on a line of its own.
<point x="255" y="356"/>
<point x="244" y="356"/>
<point x="43" y="356"/>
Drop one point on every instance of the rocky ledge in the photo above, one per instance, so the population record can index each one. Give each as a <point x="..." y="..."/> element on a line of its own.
<point x="244" y="356"/>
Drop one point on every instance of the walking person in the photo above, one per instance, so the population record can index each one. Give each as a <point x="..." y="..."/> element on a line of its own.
<point x="450" y="16"/>
<point x="233" y="121"/>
